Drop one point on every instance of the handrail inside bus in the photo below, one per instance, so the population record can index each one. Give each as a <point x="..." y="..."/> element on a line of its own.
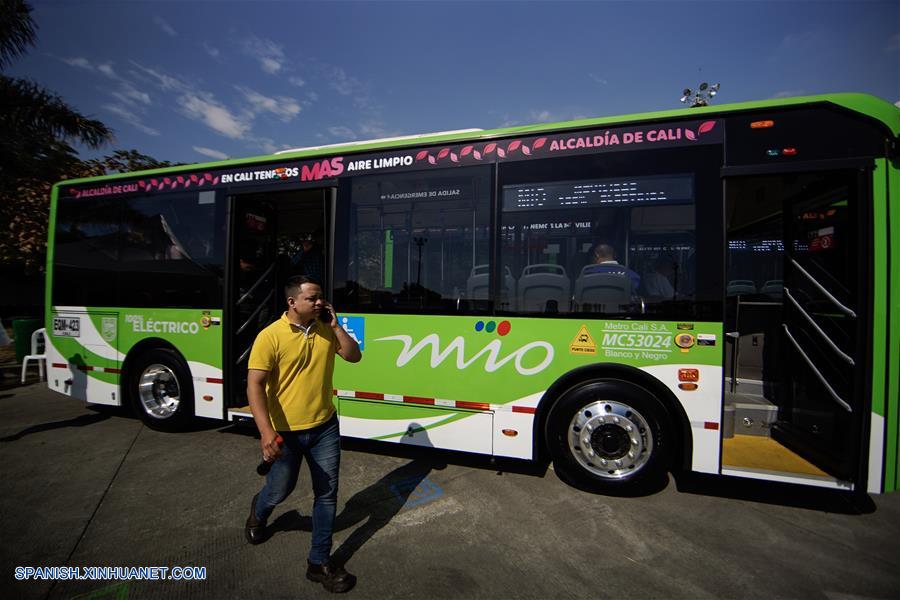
<point x="818" y="329"/>
<point x="834" y="395"/>
<point x="849" y="312"/>
<point x="259" y="281"/>
<point x="256" y="312"/>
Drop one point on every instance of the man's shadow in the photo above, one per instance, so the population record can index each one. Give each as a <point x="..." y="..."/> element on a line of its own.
<point x="373" y="507"/>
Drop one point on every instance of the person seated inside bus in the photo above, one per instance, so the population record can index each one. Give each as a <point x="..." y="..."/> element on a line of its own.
<point x="309" y="261"/>
<point x="604" y="261"/>
<point x="658" y="282"/>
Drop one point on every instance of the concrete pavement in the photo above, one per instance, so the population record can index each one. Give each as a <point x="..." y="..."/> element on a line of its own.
<point x="90" y="488"/>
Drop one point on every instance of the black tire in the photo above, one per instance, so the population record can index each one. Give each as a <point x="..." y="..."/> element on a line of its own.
<point x="609" y="436"/>
<point x="161" y="390"/>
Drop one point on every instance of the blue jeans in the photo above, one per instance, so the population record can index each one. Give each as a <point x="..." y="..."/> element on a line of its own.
<point x="321" y="446"/>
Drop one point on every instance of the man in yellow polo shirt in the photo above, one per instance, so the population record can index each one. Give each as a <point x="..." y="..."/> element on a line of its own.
<point x="290" y="390"/>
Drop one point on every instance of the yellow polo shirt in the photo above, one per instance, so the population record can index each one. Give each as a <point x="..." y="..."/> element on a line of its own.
<point x="300" y="366"/>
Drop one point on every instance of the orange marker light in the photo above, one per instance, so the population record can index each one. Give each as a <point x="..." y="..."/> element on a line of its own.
<point x="510" y="432"/>
<point x="688" y="374"/>
<point x="762" y="124"/>
<point x="688" y="387"/>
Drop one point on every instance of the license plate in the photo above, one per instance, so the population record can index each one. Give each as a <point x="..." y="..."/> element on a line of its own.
<point x="67" y="326"/>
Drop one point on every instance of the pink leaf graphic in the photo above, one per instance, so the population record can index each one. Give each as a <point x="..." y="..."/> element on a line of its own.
<point x="421" y="154"/>
<point x="513" y="146"/>
<point x="538" y="143"/>
<point x="689" y="134"/>
<point x="454" y="157"/>
<point x="216" y="180"/>
<point x="707" y="126"/>
<point x="173" y="185"/>
<point x="432" y="160"/>
<point x="490" y="148"/>
<point x="501" y="153"/>
<point x="477" y="155"/>
<point x="202" y="181"/>
<point x="525" y="150"/>
<point x="444" y="152"/>
<point x="465" y="151"/>
<point x="187" y="184"/>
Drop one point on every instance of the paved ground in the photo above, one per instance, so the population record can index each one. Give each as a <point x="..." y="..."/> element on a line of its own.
<point x="88" y="488"/>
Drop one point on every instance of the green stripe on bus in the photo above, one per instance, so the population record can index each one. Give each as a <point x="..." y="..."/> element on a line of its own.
<point x="423" y="428"/>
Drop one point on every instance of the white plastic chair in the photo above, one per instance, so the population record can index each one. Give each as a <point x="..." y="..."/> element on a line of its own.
<point x="38" y="352"/>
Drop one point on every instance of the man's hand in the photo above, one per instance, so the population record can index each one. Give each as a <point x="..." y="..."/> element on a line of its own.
<point x="349" y="349"/>
<point x="271" y="450"/>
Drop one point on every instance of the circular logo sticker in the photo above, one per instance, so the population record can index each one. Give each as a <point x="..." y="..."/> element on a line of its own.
<point x="684" y="340"/>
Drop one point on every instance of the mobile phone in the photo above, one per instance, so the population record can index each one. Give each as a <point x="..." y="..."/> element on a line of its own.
<point x="325" y="315"/>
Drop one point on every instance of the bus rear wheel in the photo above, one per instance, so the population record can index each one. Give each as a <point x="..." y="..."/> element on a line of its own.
<point x="161" y="390"/>
<point x="608" y="436"/>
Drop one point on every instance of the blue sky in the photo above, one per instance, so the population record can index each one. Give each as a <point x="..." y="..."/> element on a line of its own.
<point x="192" y="81"/>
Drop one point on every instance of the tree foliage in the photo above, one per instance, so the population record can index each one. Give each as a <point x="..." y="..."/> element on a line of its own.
<point x="17" y="30"/>
<point x="26" y="208"/>
<point x="36" y="130"/>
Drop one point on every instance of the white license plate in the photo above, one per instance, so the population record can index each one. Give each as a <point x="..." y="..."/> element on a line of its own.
<point x="67" y="326"/>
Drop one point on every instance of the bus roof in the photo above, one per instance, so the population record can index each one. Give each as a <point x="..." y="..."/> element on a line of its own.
<point x="864" y="104"/>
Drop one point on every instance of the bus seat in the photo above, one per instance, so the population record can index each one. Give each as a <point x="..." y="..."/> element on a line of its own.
<point x="602" y="292"/>
<point x="543" y="287"/>
<point x="773" y="288"/>
<point x="477" y="286"/>
<point x="737" y="287"/>
<point x="477" y="283"/>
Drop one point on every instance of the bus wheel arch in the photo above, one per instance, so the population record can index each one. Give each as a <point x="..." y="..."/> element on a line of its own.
<point x="620" y="391"/>
<point x="157" y="384"/>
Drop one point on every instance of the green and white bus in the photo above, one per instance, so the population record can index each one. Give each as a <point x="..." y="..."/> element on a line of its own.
<point x="711" y="289"/>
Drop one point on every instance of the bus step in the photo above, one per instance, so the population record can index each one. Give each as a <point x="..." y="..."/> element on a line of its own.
<point x="749" y="418"/>
<point x="240" y="414"/>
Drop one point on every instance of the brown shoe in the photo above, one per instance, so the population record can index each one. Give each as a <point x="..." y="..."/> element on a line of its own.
<point x="255" y="529"/>
<point x="332" y="577"/>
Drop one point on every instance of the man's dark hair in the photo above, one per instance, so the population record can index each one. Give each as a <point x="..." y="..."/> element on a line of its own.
<point x="604" y="252"/>
<point x="292" y="285"/>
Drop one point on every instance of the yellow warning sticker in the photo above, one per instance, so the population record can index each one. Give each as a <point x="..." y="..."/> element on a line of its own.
<point x="583" y="343"/>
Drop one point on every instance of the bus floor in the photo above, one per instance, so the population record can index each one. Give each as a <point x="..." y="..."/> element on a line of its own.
<point x="762" y="453"/>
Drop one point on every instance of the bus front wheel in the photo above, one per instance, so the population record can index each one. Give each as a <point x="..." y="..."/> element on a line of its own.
<point x="161" y="390"/>
<point x="608" y="436"/>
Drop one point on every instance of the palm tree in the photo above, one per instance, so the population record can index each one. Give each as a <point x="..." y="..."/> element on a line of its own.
<point x="35" y="124"/>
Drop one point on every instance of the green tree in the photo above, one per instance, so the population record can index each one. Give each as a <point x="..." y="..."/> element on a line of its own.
<point x="36" y="130"/>
<point x="36" y="125"/>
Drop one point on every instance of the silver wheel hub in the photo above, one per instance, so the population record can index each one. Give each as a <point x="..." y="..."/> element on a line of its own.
<point x="159" y="392"/>
<point x="610" y="439"/>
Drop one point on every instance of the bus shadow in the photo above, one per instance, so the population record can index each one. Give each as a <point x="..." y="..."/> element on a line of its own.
<point x="482" y="462"/>
<point x="79" y="421"/>
<point x="775" y="493"/>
